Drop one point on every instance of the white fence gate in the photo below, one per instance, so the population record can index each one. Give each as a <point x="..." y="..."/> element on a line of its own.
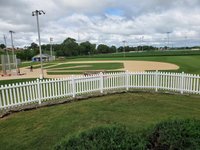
<point x="42" y="90"/>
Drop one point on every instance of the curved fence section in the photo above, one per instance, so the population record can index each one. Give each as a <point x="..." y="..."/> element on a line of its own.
<point x="37" y="91"/>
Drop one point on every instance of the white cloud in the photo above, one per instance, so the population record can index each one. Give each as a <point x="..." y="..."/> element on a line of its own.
<point x="91" y="21"/>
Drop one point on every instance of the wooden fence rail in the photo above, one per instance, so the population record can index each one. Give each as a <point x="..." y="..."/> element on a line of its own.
<point x="38" y="91"/>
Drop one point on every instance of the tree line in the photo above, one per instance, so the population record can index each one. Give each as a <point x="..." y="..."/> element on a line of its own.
<point x="70" y="47"/>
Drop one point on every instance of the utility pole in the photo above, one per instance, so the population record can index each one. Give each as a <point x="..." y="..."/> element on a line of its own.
<point x="37" y="13"/>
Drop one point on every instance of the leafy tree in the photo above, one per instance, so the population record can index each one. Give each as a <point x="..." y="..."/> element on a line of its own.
<point x="34" y="46"/>
<point x="113" y="49"/>
<point x="26" y="54"/>
<point x="120" y="49"/>
<point x="2" y="46"/>
<point x="86" y="48"/>
<point x="102" y="48"/>
<point x="69" y="47"/>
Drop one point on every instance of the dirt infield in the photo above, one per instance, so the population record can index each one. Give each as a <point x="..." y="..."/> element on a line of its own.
<point x="131" y="66"/>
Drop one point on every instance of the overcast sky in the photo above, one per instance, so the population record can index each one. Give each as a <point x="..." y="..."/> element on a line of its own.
<point x="104" y="21"/>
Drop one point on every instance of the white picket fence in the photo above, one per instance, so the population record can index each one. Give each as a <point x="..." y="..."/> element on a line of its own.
<point x="37" y="91"/>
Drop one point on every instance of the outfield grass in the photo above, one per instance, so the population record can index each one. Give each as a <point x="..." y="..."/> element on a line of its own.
<point x="44" y="65"/>
<point x="89" y="66"/>
<point x="81" y="68"/>
<point x="43" y="128"/>
<point x="188" y="64"/>
<point x="76" y="73"/>
<point x="144" y="54"/>
<point x="3" y="82"/>
<point x="65" y="73"/>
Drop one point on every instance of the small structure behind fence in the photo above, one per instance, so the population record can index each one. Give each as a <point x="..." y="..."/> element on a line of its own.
<point x="9" y="64"/>
<point x="43" y="90"/>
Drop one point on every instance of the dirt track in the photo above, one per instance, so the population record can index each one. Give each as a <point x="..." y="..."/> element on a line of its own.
<point x="131" y="66"/>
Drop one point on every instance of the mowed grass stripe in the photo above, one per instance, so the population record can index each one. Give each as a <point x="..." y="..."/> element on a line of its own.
<point x="43" y="128"/>
<point x="91" y="66"/>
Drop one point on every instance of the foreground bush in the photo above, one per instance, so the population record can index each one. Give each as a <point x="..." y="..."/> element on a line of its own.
<point x="168" y="135"/>
<point x="104" y="138"/>
<point x="175" y="135"/>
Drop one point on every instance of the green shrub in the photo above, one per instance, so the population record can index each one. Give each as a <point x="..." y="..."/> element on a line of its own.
<point x="175" y="135"/>
<point x="104" y="138"/>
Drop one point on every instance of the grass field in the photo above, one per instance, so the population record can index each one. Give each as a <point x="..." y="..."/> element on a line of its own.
<point x="43" y="128"/>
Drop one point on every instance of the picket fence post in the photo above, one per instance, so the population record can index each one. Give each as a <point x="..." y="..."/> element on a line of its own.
<point x="101" y="82"/>
<point x="182" y="82"/>
<point x="127" y="79"/>
<point x="156" y="75"/>
<point x="73" y="87"/>
<point x="39" y="90"/>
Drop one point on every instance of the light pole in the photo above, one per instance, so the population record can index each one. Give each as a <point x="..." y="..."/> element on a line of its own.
<point x="124" y="46"/>
<point x="185" y="42"/>
<point x="168" y="39"/>
<point x="37" y="13"/>
<point x="4" y="36"/>
<point x="142" y="38"/>
<point x="11" y="36"/>
<point x="51" y="40"/>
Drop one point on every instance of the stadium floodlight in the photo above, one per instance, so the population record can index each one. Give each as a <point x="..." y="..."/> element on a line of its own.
<point x="37" y="13"/>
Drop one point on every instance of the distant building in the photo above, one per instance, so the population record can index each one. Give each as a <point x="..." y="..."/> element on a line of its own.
<point x="45" y="57"/>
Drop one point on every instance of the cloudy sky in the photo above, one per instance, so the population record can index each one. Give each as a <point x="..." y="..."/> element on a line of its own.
<point x="105" y="21"/>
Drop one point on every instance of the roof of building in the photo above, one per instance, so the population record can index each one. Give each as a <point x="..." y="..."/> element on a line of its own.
<point x="43" y="55"/>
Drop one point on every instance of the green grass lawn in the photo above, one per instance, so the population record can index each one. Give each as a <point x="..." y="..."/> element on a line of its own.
<point x="43" y="128"/>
